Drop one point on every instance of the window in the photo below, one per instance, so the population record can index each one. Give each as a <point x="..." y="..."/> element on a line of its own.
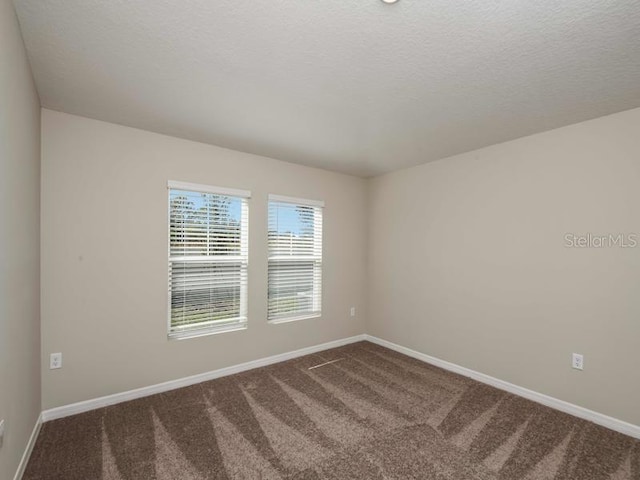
<point x="208" y="258"/>
<point x="295" y="258"/>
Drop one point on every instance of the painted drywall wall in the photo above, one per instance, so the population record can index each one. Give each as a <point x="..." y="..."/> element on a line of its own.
<point x="19" y="244"/>
<point x="104" y="256"/>
<point x="469" y="262"/>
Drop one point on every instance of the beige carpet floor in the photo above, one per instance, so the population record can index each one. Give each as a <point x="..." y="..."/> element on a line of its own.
<point x="371" y="414"/>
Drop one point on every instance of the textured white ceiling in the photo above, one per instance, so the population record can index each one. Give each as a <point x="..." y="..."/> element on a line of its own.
<point x="350" y="85"/>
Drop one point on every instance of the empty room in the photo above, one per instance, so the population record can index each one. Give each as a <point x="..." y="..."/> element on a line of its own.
<point x="319" y="240"/>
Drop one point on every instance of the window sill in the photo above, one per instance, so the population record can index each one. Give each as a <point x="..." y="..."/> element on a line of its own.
<point x="205" y="332"/>
<point x="294" y="319"/>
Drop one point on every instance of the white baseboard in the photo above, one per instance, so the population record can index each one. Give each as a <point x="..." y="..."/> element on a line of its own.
<point x="87" y="405"/>
<point x="566" y="407"/>
<point x="27" y="451"/>
<point x="575" y="410"/>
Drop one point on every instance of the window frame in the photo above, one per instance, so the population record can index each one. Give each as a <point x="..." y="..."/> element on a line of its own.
<point x="234" y="324"/>
<point x="317" y="259"/>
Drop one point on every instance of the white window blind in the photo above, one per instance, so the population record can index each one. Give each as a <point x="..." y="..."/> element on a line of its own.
<point x="208" y="259"/>
<point x="295" y="258"/>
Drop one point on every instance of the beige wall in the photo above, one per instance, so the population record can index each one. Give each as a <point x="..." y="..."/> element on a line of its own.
<point x="467" y="262"/>
<point x="104" y="256"/>
<point x="19" y="244"/>
<point x="466" y="259"/>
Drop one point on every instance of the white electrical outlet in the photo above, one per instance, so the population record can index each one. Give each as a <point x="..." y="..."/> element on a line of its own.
<point x="55" y="361"/>
<point x="577" y="361"/>
<point x="353" y="311"/>
<point x="1" y="432"/>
